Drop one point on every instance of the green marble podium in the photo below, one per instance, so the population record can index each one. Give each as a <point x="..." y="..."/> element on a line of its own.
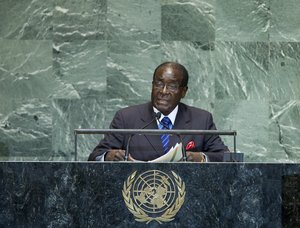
<point x="71" y="194"/>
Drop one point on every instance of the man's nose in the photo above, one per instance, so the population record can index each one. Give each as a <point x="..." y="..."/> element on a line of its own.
<point x="165" y="90"/>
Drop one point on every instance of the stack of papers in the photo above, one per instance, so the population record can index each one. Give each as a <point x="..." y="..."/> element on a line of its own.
<point x="173" y="155"/>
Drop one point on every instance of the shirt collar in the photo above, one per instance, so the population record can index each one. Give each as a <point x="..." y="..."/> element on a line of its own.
<point x="172" y="115"/>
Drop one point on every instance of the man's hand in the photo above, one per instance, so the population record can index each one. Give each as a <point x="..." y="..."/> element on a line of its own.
<point x="115" y="155"/>
<point x="195" y="156"/>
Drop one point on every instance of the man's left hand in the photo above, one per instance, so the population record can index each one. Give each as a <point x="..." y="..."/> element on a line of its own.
<point x="195" y="156"/>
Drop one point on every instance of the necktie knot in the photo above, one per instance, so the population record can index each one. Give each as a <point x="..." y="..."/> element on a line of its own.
<point x="167" y="124"/>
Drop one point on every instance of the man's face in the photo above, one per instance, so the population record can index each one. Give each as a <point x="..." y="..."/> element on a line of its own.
<point x="167" y="89"/>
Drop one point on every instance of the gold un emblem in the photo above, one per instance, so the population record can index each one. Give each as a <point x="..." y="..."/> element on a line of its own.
<point x="154" y="196"/>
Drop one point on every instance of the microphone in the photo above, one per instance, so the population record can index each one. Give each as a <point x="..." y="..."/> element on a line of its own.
<point x="184" y="158"/>
<point x="156" y="116"/>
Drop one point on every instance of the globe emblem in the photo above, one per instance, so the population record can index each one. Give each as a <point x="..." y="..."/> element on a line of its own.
<point x="154" y="192"/>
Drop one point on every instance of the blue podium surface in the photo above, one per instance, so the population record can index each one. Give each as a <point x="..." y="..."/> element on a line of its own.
<point x="126" y="194"/>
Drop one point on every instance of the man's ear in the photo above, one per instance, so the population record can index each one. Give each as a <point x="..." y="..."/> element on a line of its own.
<point x="185" y="89"/>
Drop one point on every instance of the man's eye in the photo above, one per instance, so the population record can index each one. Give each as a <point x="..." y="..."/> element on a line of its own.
<point x="172" y="86"/>
<point x="159" y="84"/>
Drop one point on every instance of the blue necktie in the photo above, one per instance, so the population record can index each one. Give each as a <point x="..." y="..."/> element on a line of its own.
<point x="166" y="137"/>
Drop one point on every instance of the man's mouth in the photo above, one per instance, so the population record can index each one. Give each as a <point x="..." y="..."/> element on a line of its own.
<point x="162" y="101"/>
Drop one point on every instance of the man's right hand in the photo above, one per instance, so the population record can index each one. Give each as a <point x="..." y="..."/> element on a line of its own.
<point x="115" y="155"/>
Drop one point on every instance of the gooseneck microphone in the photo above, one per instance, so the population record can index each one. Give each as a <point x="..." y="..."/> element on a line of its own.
<point x="184" y="158"/>
<point x="156" y="116"/>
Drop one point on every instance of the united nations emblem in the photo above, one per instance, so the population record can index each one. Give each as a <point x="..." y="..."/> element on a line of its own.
<point x="154" y="196"/>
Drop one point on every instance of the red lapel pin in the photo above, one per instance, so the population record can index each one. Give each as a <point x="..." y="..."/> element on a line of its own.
<point x="190" y="145"/>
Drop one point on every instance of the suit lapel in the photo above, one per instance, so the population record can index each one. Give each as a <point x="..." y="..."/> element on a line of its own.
<point x="154" y="140"/>
<point x="182" y="121"/>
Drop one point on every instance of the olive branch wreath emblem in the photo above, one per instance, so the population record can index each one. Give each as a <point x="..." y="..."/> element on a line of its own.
<point x="140" y="215"/>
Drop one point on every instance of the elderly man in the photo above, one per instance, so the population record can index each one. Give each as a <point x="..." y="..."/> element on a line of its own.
<point x="169" y="86"/>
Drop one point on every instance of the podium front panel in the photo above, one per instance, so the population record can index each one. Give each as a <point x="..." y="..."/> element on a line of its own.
<point x="62" y="194"/>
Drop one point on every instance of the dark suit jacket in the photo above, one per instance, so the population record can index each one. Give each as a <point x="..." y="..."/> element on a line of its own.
<point x="149" y="147"/>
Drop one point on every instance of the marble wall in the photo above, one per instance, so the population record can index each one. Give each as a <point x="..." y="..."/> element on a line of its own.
<point x="72" y="64"/>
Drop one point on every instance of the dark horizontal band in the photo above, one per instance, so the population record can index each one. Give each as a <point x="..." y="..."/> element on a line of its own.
<point x="154" y="131"/>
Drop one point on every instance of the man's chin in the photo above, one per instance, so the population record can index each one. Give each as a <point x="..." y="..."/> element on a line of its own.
<point x="162" y="108"/>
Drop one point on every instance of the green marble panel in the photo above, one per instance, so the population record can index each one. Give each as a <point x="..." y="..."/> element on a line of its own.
<point x="81" y="67"/>
<point x="26" y="84"/>
<point x="25" y="134"/>
<point x="241" y="70"/>
<point x="285" y="130"/>
<point x="196" y="57"/>
<point x="26" y="19"/>
<point x="188" y="20"/>
<point x="251" y="121"/>
<point x="242" y="20"/>
<point x="25" y="56"/>
<point x="134" y="19"/>
<point x="285" y="71"/>
<point x="79" y="20"/>
<point x="206" y="104"/>
<point x="25" y="73"/>
<point x="285" y="19"/>
<point x="130" y="68"/>
<point x="73" y="114"/>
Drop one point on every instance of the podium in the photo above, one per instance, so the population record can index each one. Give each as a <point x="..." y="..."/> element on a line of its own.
<point x="73" y="194"/>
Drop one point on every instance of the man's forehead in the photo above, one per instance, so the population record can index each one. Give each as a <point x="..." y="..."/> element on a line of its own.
<point x="168" y="71"/>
